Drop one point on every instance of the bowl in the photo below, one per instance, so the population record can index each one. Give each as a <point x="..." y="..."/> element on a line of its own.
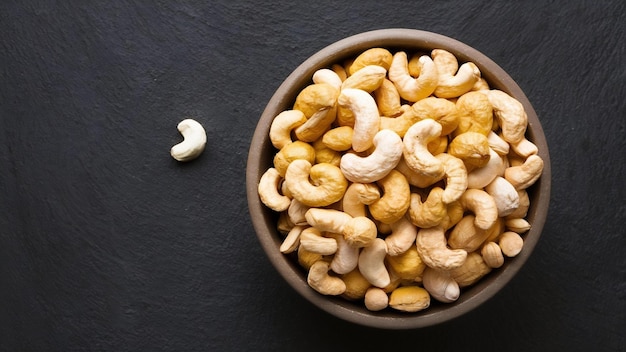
<point x="261" y="153"/>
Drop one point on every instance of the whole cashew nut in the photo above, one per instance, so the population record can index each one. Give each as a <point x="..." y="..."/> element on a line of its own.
<point x="453" y="82"/>
<point x="282" y="126"/>
<point x="395" y="200"/>
<point x="509" y="113"/>
<point x="432" y="248"/>
<point x="455" y="175"/>
<point x="481" y="177"/>
<point x="268" y="191"/>
<point x="327" y="76"/>
<point x="366" y="117"/>
<point x="440" y="285"/>
<point x="386" y="155"/>
<point x="368" y="78"/>
<point x="482" y="205"/>
<point x="296" y="212"/>
<point x="525" y="175"/>
<point x="357" y="196"/>
<point x="441" y="110"/>
<point x="329" y="184"/>
<point x="504" y="194"/>
<point x="388" y="99"/>
<point x="372" y="263"/>
<point x="312" y="240"/>
<point x="416" y="154"/>
<point x="322" y="282"/>
<point x="346" y="257"/>
<point x="402" y="237"/>
<point x="429" y="213"/>
<point x="359" y="231"/>
<point x="409" y="88"/>
<point x="194" y="141"/>
<point x="374" y="56"/>
<point x="472" y="270"/>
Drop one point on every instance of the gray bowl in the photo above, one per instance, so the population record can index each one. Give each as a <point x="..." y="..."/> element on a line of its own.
<point x="260" y="159"/>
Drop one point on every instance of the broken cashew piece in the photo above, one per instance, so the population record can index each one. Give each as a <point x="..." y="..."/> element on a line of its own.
<point x="386" y="155"/>
<point x="409" y="88"/>
<point x="194" y="141"/>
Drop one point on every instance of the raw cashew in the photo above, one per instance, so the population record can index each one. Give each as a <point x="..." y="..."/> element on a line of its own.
<point x="296" y="212"/>
<point x="517" y="225"/>
<point x="322" y="282"/>
<point x="431" y="246"/>
<point x="292" y="241"/>
<point x="441" y="110"/>
<point x="323" y="154"/>
<point x="329" y="184"/>
<point x="366" y="118"/>
<point x="268" y="191"/>
<point x="374" y="56"/>
<point x="409" y="299"/>
<point x="376" y="299"/>
<point x="408" y="265"/>
<point x="372" y="263"/>
<point x="456" y="177"/>
<point x="360" y="232"/>
<point x="395" y="200"/>
<point x="524" y="205"/>
<point x="472" y="270"/>
<point x="306" y="259"/>
<point x="524" y="148"/>
<point x="482" y="205"/>
<point x="368" y="78"/>
<point x="339" y="138"/>
<point x="356" y="285"/>
<point x="317" y="124"/>
<point x="327" y="220"/>
<point x="525" y="175"/>
<point x="416" y="154"/>
<point x="402" y="237"/>
<point x="472" y="148"/>
<point x="453" y="80"/>
<point x="346" y="257"/>
<point x="481" y="177"/>
<point x="291" y="152"/>
<point x="511" y="243"/>
<point x="409" y="88"/>
<point x="447" y="64"/>
<point x="386" y="155"/>
<point x="194" y="140"/>
<point x="388" y="99"/>
<point x="401" y="123"/>
<point x="357" y="196"/>
<point x="504" y="194"/>
<point x="440" y="285"/>
<point x="328" y="76"/>
<point x="282" y="126"/>
<point x="316" y="97"/>
<point x="429" y="213"/>
<point x="498" y="144"/>
<point x="476" y="114"/>
<point x="313" y="241"/>
<point x="492" y="255"/>
<point x="509" y="113"/>
<point x="466" y="236"/>
<point x="415" y="178"/>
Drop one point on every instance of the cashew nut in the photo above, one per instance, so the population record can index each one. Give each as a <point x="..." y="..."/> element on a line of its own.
<point x="481" y="177"/>
<point x="386" y="155"/>
<point x="318" y="103"/>
<point x="306" y="259"/>
<point x="374" y="56"/>
<point x="360" y="231"/>
<point x="472" y="270"/>
<point x="441" y="110"/>
<point x="401" y="123"/>
<point x="388" y="99"/>
<point x="329" y="184"/>
<point x="409" y="299"/>
<point x="368" y="78"/>
<point x="291" y="152"/>
<point x="416" y="154"/>
<point x="408" y="265"/>
<point x="193" y="143"/>
<point x="366" y="118"/>
<point x="268" y="191"/>
<point x="492" y="255"/>
<point x="376" y="299"/>
<point x="372" y="263"/>
<point x="313" y="241"/>
<point x="453" y="82"/>
<point x="282" y="126"/>
<point x="339" y="138"/>
<point x="327" y="76"/>
<point x="402" y="237"/>
<point x="431" y="247"/>
<point x="511" y="243"/>
<point x="357" y="196"/>
<point x="356" y="285"/>
<point x="517" y="225"/>
<point x="395" y="200"/>
<point x="472" y="148"/>
<point x="524" y="205"/>
<point x="476" y="114"/>
<point x="296" y="212"/>
<point x="322" y="282"/>
<point x="409" y="88"/>
<point x="498" y="144"/>
<point x="292" y="240"/>
<point x="440" y="285"/>
<point x="429" y="213"/>
<point x="525" y="175"/>
<point x="323" y="154"/>
<point x="504" y="194"/>
<point x="455" y="175"/>
<point x="327" y="220"/>
<point x="482" y="205"/>
<point x="509" y="113"/>
<point x="346" y="257"/>
<point x="465" y="235"/>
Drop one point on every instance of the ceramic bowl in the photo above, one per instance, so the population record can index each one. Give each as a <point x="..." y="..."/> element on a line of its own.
<point x="261" y="153"/>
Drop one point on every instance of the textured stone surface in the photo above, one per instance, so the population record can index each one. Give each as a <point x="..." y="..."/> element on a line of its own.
<point x="107" y="243"/>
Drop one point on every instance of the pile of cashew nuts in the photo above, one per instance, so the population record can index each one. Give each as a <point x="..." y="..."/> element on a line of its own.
<point x="400" y="178"/>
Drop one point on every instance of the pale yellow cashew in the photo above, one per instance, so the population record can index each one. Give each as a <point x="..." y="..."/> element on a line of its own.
<point x="492" y="255"/>
<point x="401" y="123"/>
<point x="524" y="205"/>
<point x="511" y="243"/>
<point x="356" y="285"/>
<point x="306" y="259"/>
<point x="441" y="110"/>
<point x="340" y="71"/>
<point x="282" y="126"/>
<point x="466" y="236"/>
<point x="372" y="263"/>
<point x="312" y="240"/>
<point x="402" y="237"/>
<point x="509" y="113"/>
<point x="453" y="81"/>
<point x="323" y="154"/>
<point x="193" y="143"/>
<point x="339" y="138"/>
<point x="368" y="78"/>
<point x="472" y="270"/>
<point x="376" y="299"/>
<point x="296" y="212"/>
<point x="388" y="99"/>
<point x="431" y="247"/>
<point x="357" y="196"/>
<point x="292" y="240"/>
<point x="374" y="56"/>
<point x="416" y="154"/>
<point x="327" y="76"/>
<point x="429" y="213"/>
<point x="525" y="175"/>
<point x="317" y="124"/>
<point x="407" y="265"/>
<point x="455" y="177"/>
<point x="504" y="194"/>
<point x="291" y="152"/>
<point x="386" y="155"/>
<point x="517" y="225"/>
<point x="395" y="200"/>
<point x="322" y="282"/>
<point x="268" y="191"/>
<point x="409" y="299"/>
<point x="328" y="183"/>
<point x="346" y="257"/>
<point x="481" y="177"/>
<point x="472" y="148"/>
<point x="366" y="117"/>
<point x="482" y="205"/>
<point x="524" y="148"/>
<point x="359" y="231"/>
<point x="414" y="178"/>
<point x="498" y="144"/>
<point x="409" y="88"/>
<point x="440" y="285"/>
<point x="318" y="102"/>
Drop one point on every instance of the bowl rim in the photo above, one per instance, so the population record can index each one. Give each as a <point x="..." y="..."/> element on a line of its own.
<point x="284" y="96"/>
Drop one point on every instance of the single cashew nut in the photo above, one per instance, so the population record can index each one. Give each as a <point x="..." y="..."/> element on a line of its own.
<point x="453" y="81"/>
<point x="282" y="126"/>
<point x="409" y="299"/>
<point x="360" y="231"/>
<point x="194" y="141"/>
<point x="517" y="225"/>
<point x="357" y="196"/>
<point x="296" y="212"/>
<point x="339" y="138"/>
<point x="268" y="191"/>
<point x="498" y="144"/>
<point x="327" y="76"/>
<point x="366" y="117"/>
<point x="322" y="282"/>
<point x="402" y="237"/>
<point x="440" y="285"/>
<point x="374" y="56"/>
<point x="504" y="194"/>
<point x="292" y="240"/>
<point x="524" y="205"/>
<point x="329" y="184"/>
<point x="429" y="213"/>
<point x="388" y="99"/>
<point x="481" y="177"/>
<point x="456" y="177"/>
<point x="376" y="299"/>
<point x="441" y="110"/>
<point x="482" y="205"/>
<point x="524" y="148"/>
<point x="472" y="148"/>
<point x="492" y="255"/>
<point x="386" y="155"/>
<point x="511" y="243"/>
<point x="416" y="154"/>
<point x="476" y="114"/>
<point x="318" y="102"/>
<point x="431" y="247"/>
<point x="313" y="241"/>
<point x="407" y="265"/>
<point x="327" y="220"/>
<point x="509" y="113"/>
<point x="395" y="200"/>
<point x="372" y="263"/>
<point x="346" y="257"/>
<point x="409" y="88"/>
<point x="466" y="236"/>
<point x="472" y="270"/>
<point x="291" y="152"/>
<point x="525" y="175"/>
<point x="368" y="78"/>
<point x="356" y="285"/>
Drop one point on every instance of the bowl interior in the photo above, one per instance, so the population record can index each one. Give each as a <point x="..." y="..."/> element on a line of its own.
<point x="262" y="152"/>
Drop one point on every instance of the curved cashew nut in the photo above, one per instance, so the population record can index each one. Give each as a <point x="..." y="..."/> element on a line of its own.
<point x="504" y="194"/>
<point x="357" y="196"/>
<point x="388" y="99"/>
<point x="386" y="155"/>
<point x="440" y="285"/>
<point x="414" y="178"/>
<point x="374" y="56"/>
<point x="453" y="81"/>
<point x="431" y="246"/>
<point x="312" y="240"/>
<point x="472" y="270"/>
<point x="339" y="138"/>
<point x="346" y="257"/>
<point x="429" y="213"/>
<point x="524" y="148"/>
<point x="395" y="199"/>
<point x="416" y="154"/>
<point x="366" y="117"/>
<point x="525" y="175"/>
<point x="482" y="205"/>
<point x="268" y="191"/>
<point x="194" y="141"/>
<point x="368" y="78"/>
<point x="466" y="236"/>
<point x="296" y="212"/>
<point x="509" y="113"/>
<point x="481" y="177"/>
<point x="327" y="76"/>
<point x="318" y="102"/>
<point x="441" y="110"/>
<point x="409" y="88"/>
<point x="372" y="263"/>
<point x="283" y="124"/>
<point x="329" y="184"/>
<point x="291" y="152"/>
<point x="476" y="112"/>
<point x="359" y="231"/>
<point x="456" y="177"/>
<point x="322" y="282"/>
<point x="402" y="237"/>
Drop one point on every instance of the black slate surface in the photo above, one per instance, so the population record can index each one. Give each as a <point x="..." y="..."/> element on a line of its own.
<point x="108" y="244"/>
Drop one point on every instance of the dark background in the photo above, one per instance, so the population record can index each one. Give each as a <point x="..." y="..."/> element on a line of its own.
<point x="108" y="244"/>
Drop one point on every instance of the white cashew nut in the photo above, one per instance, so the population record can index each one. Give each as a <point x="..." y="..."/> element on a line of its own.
<point x="327" y="76"/>
<point x="440" y="285"/>
<point x="292" y="241"/>
<point x="194" y="141"/>
<point x="386" y="155"/>
<point x="268" y="191"/>
<point x="481" y="177"/>
<point x="346" y="257"/>
<point x="312" y="240"/>
<point x="372" y="263"/>
<point x="366" y="117"/>
<point x="416" y="154"/>
<point x="504" y="194"/>
<point x="409" y="88"/>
